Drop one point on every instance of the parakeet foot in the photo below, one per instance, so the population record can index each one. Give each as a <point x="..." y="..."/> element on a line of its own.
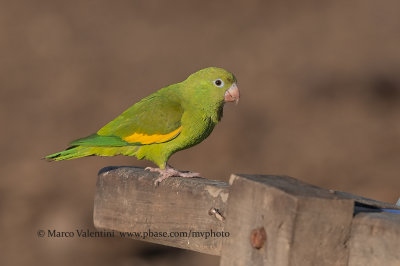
<point x="168" y="172"/>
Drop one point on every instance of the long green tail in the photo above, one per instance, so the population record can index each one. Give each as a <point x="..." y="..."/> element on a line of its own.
<point x="83" y="151"/>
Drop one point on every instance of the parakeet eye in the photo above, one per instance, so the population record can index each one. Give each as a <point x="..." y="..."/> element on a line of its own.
<point x="219" y="83"/>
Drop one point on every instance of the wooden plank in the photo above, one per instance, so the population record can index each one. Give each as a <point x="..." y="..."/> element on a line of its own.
<point x="375" y="239"/>
<point x="303" y="224"/>
<point x="266" y="220"/>
<point x="126" y="200"/>
<point x="367" y="201"/>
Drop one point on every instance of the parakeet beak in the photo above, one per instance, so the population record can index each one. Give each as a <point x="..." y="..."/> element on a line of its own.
<point x="232" y="94"/>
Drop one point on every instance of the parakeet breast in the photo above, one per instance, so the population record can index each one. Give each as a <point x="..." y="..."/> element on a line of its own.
<point x="196" y="126"/>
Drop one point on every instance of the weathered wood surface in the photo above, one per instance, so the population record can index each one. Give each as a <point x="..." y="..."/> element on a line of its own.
<point x="366" y="201"/>
<point x="127" y="201"/>
<point x="375" y="239"/>
<point x="304" y="225"/>
<point x="271" y="220"/>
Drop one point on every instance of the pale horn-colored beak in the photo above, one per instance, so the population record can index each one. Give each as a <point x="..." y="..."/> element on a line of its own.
<point x="232" y="94"/>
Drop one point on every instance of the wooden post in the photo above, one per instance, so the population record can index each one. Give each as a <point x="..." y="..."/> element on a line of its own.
<point x="375" y="239"/>
<point x="253" y="220"/>
<point x="180" y="212"/>
<point x="304" y="225"/>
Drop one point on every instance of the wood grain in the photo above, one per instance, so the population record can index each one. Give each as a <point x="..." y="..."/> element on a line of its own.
<point x="127" y="201"/>
<point x="253" y="220"/>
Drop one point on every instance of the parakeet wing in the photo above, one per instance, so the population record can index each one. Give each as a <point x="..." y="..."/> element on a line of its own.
<point x="155" y="119"/>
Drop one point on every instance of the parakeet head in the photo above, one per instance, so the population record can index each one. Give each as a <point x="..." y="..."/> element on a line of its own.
<point x="213" y="86"/>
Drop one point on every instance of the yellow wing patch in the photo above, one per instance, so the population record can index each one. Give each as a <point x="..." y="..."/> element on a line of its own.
<point x="155" y="138"/>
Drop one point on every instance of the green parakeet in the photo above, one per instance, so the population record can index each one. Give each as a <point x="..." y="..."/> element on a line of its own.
<point x="172" y="119"/>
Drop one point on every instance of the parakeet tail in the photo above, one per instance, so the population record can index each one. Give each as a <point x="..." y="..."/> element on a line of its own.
<point x="70" y="153"/>
<point x="83" y="151"/>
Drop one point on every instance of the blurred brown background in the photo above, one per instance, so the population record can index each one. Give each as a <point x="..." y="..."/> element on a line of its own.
<point x="320" y="101"/>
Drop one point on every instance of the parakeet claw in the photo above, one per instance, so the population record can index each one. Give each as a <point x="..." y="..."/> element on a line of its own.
<point x="168" y="172"/>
